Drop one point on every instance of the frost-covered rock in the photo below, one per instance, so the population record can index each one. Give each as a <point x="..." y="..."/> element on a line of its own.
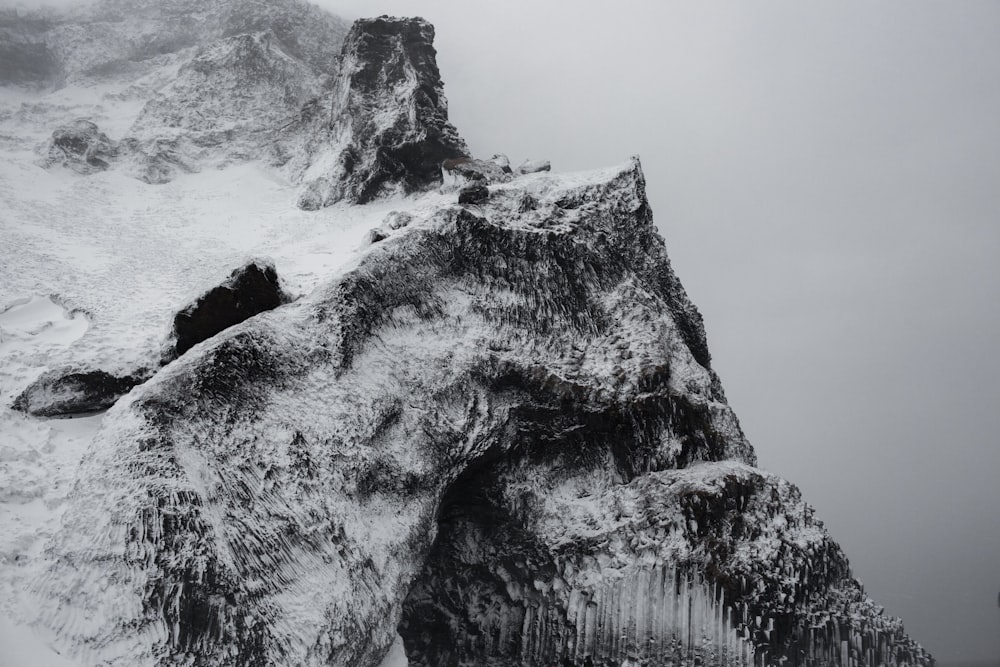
<point x="474" y="193"/>
<point x="225" y="104"/>
<point x="461" y="172"/>
<point x="502" y="161"/>
<point x="249" y="290"/>
<point x="533" y="167"/>
<point x="499" y="428"/>
<point x="82" y="147"/>
<point x="72" y="391"/>
<point x="559" y="557"/>
<point x="383" y="127"/>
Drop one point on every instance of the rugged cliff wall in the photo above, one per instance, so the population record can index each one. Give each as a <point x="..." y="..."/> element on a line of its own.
<point x="497" y="432"/>
<point x="524" y="381"/>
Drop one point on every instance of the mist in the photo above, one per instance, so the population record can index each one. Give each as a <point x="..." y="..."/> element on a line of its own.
<point x="827" y="178"/>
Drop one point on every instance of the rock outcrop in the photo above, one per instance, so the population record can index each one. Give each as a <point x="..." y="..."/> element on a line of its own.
<point x="533" y="167"/>
<point x="473" y="194"/>
<point x="461" y="172"/>
<point x="225" y="105"/>
<point x="82" y="147"/>
<point x="383" y="127"/>
<point x="72" y="391"/>
<point x="499" y="432"/>
<point x="249" y="290"/>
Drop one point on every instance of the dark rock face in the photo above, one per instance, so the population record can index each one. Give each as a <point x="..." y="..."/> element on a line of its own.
<point x="82" y="147"/>
<point x="384" y="126"/>
<point x="249" y="290"/>
<point x="499" y="431"/>
<point x="69" y="391"/>
<point x="724" y="565"/>
<point x="473" y="194"/>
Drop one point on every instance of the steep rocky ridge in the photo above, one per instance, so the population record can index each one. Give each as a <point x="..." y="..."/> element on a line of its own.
<point x="496" y="431"/>
<point x="533" y="390"/>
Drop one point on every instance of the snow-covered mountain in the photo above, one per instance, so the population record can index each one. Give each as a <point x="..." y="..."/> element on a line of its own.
<point x="438" y="399"/>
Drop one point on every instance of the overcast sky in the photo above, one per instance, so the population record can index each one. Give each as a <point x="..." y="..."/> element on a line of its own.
<point x="827" y="177"/>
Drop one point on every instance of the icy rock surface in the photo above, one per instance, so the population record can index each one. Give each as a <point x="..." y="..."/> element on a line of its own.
<point x="461" y="172"/>
<point x="533" y="166"/>
<point x="551" y="556"/>
<point x="82" y="147"/>
<point x="189" y="86"/>
<point x="499" y="430"/>
<point x="70" y="391"/>
<point x="383" y="127"/>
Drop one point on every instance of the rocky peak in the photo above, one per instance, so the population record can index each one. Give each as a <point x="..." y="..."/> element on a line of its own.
<point x="495" y="430"/>
<point x="383" y="127"/>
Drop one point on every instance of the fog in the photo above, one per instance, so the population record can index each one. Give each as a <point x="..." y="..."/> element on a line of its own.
<point x="827" y="177"/>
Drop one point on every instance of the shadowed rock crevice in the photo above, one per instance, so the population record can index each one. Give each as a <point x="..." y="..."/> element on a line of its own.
<point x="722" y="565"/>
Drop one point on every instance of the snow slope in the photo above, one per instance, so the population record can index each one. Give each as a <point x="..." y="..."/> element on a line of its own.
<point x="92" y="270"/>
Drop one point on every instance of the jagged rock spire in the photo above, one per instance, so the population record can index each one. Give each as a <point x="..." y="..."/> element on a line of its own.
<point x="384" y="125"/>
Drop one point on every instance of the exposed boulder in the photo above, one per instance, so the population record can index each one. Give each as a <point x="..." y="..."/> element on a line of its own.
<point x="249" y="290"/>
<point x="500" y="428"/>
<point x="533" y="167"/>
<point x="473" y="194"/>
<point x="70" y="391"/>
<point x="461" y="172"/>
<point x="397" y="220"/>
<point x="383" y="127"/>
<point x="82" y="147"/>
<point x="501" y="160"/>
<point x="375" y="235"/>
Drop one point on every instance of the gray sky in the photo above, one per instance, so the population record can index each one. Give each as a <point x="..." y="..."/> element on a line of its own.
<point x="827" y="177"/>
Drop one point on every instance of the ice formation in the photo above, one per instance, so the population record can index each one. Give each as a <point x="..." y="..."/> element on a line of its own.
<point x="480" y="426"/>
